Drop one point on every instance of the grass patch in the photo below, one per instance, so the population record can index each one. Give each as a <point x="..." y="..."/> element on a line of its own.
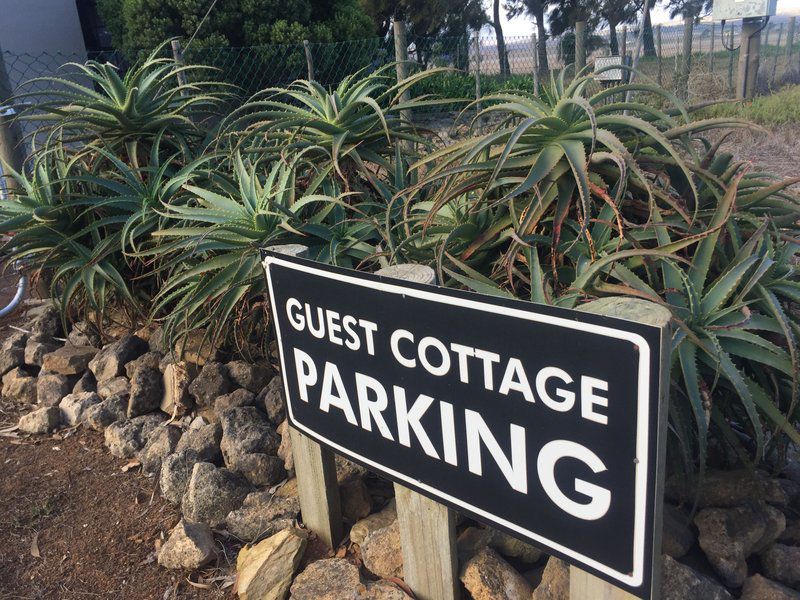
<point x="780" y="108"/>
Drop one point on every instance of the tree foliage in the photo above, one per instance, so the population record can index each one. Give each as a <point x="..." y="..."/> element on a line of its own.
<point x="144" y="24"/>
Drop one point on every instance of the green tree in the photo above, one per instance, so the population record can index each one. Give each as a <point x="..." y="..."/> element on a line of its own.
<point x="143" y="24"/>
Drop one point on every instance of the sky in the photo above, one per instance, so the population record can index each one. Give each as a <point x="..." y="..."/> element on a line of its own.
<point x="523" y="25"/>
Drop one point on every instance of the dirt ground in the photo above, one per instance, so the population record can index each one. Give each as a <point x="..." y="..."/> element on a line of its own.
<point x="776" y="151"/>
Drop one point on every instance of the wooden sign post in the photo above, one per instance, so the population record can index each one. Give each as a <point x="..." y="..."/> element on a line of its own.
<point x="427" y="528"/>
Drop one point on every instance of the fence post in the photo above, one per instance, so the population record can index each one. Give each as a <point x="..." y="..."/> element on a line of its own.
<point x="427" y="528"/>
<point x="315" y="467"/>
<point x="309" y="60"/>
<point x="790" y="41"/>
<point x="476" y="44"/>
<point x="12" y="151"/>
<point x="580" y="47"/>
<point x="686" y="64"/>
<point x="711" y="49"/>
<point x="730" y="62"/>
<point x="177" y="55"/>
<point x="535" y="46"/>
<point x="583" y="585"/>
<point x="777" y="53"/>
<point x="659" y="76"/>
<point x="401" y="62"/>
<point x="749" y="57"/>
<point x="623" y="42"/>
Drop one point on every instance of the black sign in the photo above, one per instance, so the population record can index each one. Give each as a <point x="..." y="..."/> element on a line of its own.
<point x="540" y="421"/>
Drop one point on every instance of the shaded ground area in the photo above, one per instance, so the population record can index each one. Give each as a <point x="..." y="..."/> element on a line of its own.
<point x="74" y="525"/>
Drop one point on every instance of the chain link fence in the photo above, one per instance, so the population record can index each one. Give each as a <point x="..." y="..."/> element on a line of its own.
<point x="708" y="72"/>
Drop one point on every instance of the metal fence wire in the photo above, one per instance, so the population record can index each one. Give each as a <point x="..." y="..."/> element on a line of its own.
<point x="708" y="74"/>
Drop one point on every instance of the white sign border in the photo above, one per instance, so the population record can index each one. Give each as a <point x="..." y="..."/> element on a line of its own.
<point x="634" y="579"/>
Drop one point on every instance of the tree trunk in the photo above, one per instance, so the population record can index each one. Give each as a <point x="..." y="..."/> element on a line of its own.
<point x="612" y="38"/>
<point x="502" y="54"/>
<point x="544" y="66"/>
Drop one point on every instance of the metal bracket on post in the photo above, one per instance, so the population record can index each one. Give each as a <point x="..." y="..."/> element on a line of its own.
<point x="427" y="528"/>
<point x="583" y="585"/>
<point x="315" y="466"/>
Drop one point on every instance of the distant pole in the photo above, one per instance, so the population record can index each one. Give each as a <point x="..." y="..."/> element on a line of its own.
<point x="730" y="62"/>
<point x="777" y="53"/>
<point x="12" y="150"/>
<point x="309" y="60"/>
<point x="535" y="46"/>
<point x="177" y="55"/>
<point x="580" y="48"/>
<point x="659" y="55"/>
<point x="623" y="43"/>
<point x="711" y="49"/>
<point x="476" y="44"/>
<point x="790" y="41"/>
<point x="749" y="57"/>
<point x="637" y="49"/>
<point x="401" y="62"/>
<point x="686" y="64"/>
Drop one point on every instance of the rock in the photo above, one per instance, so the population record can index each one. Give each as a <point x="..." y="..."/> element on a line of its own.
<point x="473" y="539"/>
<point x="189" y="547"/>
<point x="86" y="383"/>
<point x="37" y="347"/>
<point x="264" y="571"/>
<point x="149" y="359"/>
<point x="782" y="563"/>
<point x="261" y="515"/>
<point x="19" y="386"/>
<point x="111" y="360"/>
<point x="271" y="398"/>
<point x="51" y="388"/>
<point x="236" y="399"/>
<point x="676" y="537"/>
<point x="375" y="521"/>
<point x="259" y="469"/>
<point x="125" y="438"/>
<point x="204" y="441"/>
<point x="347" y="470"/>
<point x="84" y="333"/>
<point x="761" y="588"/>
<point x="118" y="386"/>
<point x="555" y="581"/>
<point x="212" y="493"/>
<point x="160" y="444"/>
<point x="69" y="360"/>
<point x="12" y="352"/>
<point x="41" y="420"/>
<point x="47" y="323"/>
<point x="729" y="536"/>
<point x="176" y="470"/>
<point x="285" y="448"/>
<point x="727" y="489"/>
<point x="338" y="579"/>
<point x="210" y="383"/>
<point x="175" y="380"/>
<point x="196" y="348"/>
<point x="791" y="535"/>
<point x="679" y="582"/>
<point x="156" y="341"/>
<point x="381" y="552"/>
<point x="252" y="377"/>
<point x="74" y="407"/>
<point x="113" y="409"/>
<point x="147" y="388"/>
<point x="488" y="577"/>
<point x="355" y="500"/>
<point x="246" y="431"/>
